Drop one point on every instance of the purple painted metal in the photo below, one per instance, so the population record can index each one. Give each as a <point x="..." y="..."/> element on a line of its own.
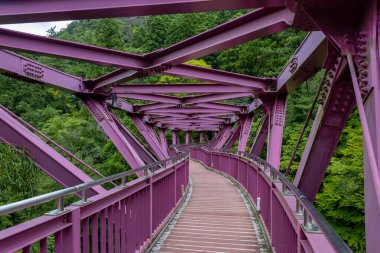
<point x="131" y="216"/>
<point x="259" y="23"/>
<point x="25" y="69"/>
<point x="186" y="119"/>
<point x="47" y="158"/>
<point x="154" y="98"/>
<point x="215" y="97"/>
<point x="369" y="52"/>
<point x="220" y="107"/>
<point x="326" y="130"/>
<point x="145" y="155"/>
<point x="245" y="123"/>
<point x="24" y="11"/>
<point x="261" y="136"/>
<point x="192" y="110"/>
<point x="99" y="111"/>
<point x="183" y="100"/>
<point x="214" y="76"/>
<point x="164" y="142"/>
<point x="178" y="88"/>
<point x="152" y="106"/>
<point x="226" y="132"/>
<point x="348" y="28"/>
<point x="43" y="45"/>
<point x="305" y="62"/>
<point x="256" y="24"/>
<point x="175" y="140"/>
<point x="187" y="140"/>
<point x="201" y="137"/>
<point x="234" y="137"/>
<point x="150" y="136"/>
<point x="277" y="124"/>
<point x="277" y="208"/>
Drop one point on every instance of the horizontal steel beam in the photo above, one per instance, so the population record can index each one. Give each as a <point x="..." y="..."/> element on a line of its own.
<point x="181" y="121"/>
<point x="22" y="68"/>
<point x="188" y="110"/>
<point x="219" y="76"/>
<point x="214" y="97"/>
<point x="55" y="47"/>
<point x="24" y="11"/>
<point x="60" y="48"/>
<point x="232" y="108"/>
<point x="152" y="106"/>
<point x="178" y="88"/>
<point x="153" y="98"/>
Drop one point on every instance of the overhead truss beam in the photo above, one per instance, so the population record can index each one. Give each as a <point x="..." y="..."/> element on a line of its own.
<point x="24" y="11"/>
<point x="178" y="88"/>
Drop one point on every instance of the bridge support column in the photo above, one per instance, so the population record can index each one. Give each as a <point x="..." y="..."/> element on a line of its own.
<point x="187" y="141"/>
<point x="201" y="137"/>
<point x="277" y="124"/>
<point x="365" y="79"/>
<point x="150" y="136"/>
<point x="46" y="157"/>
<point x="174" y="137"/>
<point x="261" y="136"/>
<point x="99" y="111"/>
<point x="328" y="125"/>
<point x="245" y="123"/>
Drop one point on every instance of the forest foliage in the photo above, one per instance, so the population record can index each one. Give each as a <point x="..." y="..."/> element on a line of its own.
<point x="63" y="118"/>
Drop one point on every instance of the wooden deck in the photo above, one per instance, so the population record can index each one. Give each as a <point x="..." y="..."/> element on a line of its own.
<point x="216" y="218"/>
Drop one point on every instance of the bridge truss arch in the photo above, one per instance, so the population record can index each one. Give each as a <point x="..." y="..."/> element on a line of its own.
<point x="343" y="40"/>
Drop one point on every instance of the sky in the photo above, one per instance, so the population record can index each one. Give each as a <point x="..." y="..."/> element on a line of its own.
<point x="37" y="28"/>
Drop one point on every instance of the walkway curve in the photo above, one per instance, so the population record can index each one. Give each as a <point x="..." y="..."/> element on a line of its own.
<point x="215" y="219"/>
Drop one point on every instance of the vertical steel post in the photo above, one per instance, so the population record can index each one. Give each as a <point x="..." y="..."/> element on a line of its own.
<point x="187" y="138"/>
<point x="277" y="124"/>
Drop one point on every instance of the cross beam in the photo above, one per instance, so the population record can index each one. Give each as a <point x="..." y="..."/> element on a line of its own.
<point x="24" y="11"/>
<point x="178" y="88"/>
<point x="22" y="68"/>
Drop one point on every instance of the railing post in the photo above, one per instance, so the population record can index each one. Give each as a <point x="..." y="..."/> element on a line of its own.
<point x="71" y="236"/>
<point x="175" y="180"/>
<point x="150" y="204"/>
<point x="299" y="209"/>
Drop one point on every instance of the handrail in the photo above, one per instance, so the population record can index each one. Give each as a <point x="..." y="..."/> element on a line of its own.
<point x="304" y="206"/>
<point x="60" y="194"/>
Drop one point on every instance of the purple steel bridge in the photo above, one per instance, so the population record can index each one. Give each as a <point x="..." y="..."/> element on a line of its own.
<point x="343" y="40"/>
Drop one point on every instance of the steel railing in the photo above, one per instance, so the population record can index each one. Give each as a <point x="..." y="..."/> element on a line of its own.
<point x="59" y="195"/>
<point x="313" y="221"/>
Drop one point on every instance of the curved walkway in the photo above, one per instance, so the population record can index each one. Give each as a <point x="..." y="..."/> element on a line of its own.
<point x="215" y="219"/>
